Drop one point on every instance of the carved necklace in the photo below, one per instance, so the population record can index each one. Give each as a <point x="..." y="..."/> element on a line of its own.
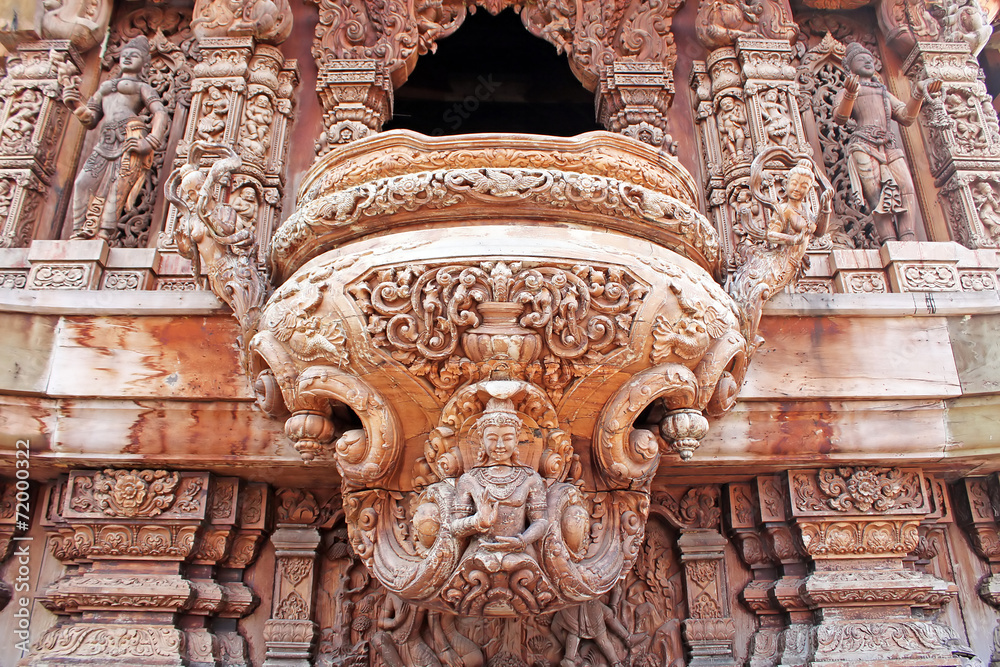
<point x="502" y="487"/>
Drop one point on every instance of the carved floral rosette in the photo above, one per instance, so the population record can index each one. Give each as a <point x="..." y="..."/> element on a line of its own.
<point x="587" y="325"/>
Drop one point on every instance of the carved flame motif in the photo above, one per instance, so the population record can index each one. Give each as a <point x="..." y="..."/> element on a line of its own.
<point x="422" y="316"/>
<point x="135" y="493"/>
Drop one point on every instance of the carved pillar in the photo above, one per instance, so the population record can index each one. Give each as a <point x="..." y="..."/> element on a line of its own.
<point x="858" y="524"/>
<point x="727" y="147"/>
<point x="962" y="135"/>
<point x="124" y="535"/>
<point x="248" y="536"/>
<point x="977" y="508"/>
<point x="290" y="632"/>
<point x="32" y="118"/>
<point x="356" y="97"/>
<point x="633" y="100"/>
<point x="212" y="545"/>
<point x="797" y="642"/>
<point x="744" y="525"/>
<point x="242" y="99"/>
<point x="218" y="96"/>
<point x="709" y="630"/>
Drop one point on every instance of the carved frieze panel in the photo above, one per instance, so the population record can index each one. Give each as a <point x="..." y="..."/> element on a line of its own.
<point x="857" y="491"/>
<point x="32" y="119"/>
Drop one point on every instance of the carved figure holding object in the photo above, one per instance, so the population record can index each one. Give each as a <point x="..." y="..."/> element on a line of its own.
<point x="500" y="502"/>
<point x="880" y="177"/>
<point x="114" y="173"/>
<point x="778" y="256"/>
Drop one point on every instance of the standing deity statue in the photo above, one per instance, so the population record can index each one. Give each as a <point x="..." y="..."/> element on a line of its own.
<point x="877" y="167"/>
<point x="500" y="502"/>
<point x="114" y="173"/>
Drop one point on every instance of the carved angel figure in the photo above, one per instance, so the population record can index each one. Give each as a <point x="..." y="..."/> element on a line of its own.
<point x="218" y="234"/>
<point x="877" y="167"/>
<point x="500" y="502"/>
<point x="777" y="257"/>
<point x="114" y="173"/>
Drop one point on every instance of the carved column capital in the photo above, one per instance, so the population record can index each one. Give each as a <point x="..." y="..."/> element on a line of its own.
<point x="633" y="100"/>
<point x="858" y="524"/>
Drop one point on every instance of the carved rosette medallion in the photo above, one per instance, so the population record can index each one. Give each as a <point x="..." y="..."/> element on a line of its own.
<point x="499" y="469"/>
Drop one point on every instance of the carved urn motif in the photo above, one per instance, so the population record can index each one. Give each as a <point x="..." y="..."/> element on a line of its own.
<point x="498" y="311"/>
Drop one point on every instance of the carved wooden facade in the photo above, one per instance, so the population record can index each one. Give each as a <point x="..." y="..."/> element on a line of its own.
<point x="716" y="385"/>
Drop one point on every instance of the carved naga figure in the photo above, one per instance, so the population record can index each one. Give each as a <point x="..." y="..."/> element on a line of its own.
<point x="878" y="171"/>
<point x="114" y="173"/>
<point x="777" y="257"/>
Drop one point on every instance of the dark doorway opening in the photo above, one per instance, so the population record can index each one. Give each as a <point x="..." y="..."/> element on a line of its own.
<point x="492" y="75"/>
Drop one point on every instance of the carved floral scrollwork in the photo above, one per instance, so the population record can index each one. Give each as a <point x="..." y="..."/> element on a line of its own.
<point x="496" y="309"/>
<point x="135" y="493"/>
<point x="859" y="490"/>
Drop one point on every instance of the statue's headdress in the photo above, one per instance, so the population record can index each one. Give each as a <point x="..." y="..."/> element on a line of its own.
<point x="803" y="167"/>
<point x="139" y="43"/>
<point x="499" y="412"/>
<point x="853" y="50"/>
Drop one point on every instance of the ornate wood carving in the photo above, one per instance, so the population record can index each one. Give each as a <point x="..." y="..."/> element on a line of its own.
<point x="133" y="530"/>
<point x="625" y="54"/>
<point x="850" y="514"/>
<point x="32" y="119"/>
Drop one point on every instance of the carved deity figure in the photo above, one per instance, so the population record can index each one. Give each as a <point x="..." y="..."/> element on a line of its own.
<point x="989" y="208"/>
<point x="877" y="167"/>
<point x="257" y="126"/>
<point x="398" y="639"/>
<point x="777" y="124"/>
<point x="733" y="122"/>
<point x="500" y="501"/>
<point x="113" y="175"/>
<point x="776" y="260"/>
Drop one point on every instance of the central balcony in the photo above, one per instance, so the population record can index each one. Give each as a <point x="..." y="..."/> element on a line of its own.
<point x="438" y="288"/>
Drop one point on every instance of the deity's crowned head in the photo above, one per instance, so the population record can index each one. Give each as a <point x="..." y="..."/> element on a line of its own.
<point x="800" y="179"/>
<point x="498" y="431"/>
<point x="135" y="54"/>
<point x="859" y="60"/>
